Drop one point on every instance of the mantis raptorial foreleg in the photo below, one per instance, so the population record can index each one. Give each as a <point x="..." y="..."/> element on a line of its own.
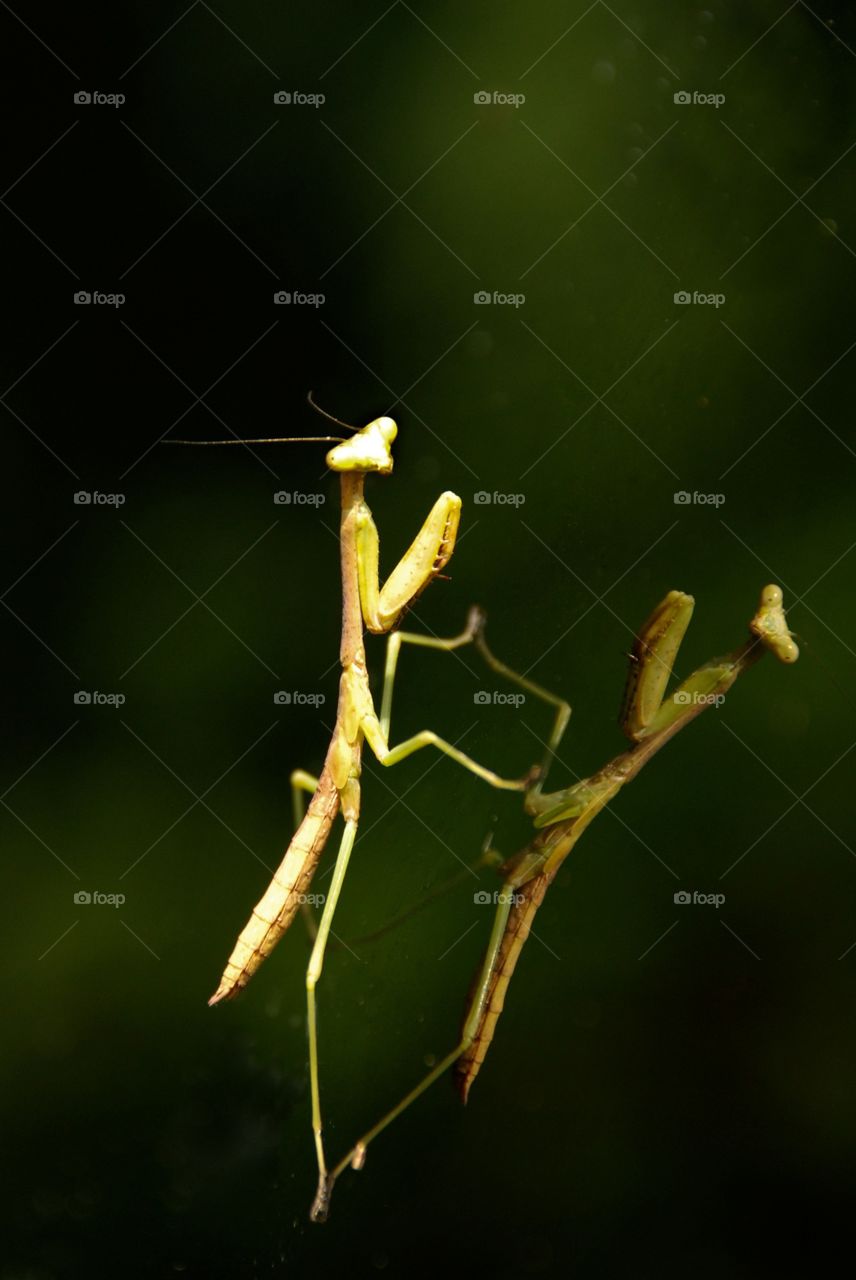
<point x="430" y="550"/>
<point x="650" y="720"/>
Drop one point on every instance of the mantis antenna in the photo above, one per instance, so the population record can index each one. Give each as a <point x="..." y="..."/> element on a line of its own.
<point x="283" y="439"/>
<point x="329" y="416"/>
<point x="264" y="440"/>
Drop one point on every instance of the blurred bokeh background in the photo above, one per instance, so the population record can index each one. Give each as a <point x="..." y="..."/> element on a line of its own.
<point x="670" y="1091"/>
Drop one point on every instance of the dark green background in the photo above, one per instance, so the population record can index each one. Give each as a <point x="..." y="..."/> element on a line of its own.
<point x="690" y="1112"/>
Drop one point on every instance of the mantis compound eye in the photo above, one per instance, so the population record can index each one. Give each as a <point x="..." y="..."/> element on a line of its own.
<point x="369" y="450"/>
<point x="387" y="428"/>
<point x="770" y="625"/>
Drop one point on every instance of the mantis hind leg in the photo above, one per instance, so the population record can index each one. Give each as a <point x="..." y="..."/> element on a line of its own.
<point x="473" y="1019"/>
<point x="313" y="974"/>
<point x="303" y="783"/>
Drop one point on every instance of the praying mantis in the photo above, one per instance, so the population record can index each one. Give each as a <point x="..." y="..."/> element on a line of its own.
<point x="648" y="717"/>
<point x="650" y="720"/>
<point x="379" y="608"/>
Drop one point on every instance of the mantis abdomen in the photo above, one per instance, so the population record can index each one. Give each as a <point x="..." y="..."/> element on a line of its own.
<point x="275" y="911"/>
<point x="528" y="898"/>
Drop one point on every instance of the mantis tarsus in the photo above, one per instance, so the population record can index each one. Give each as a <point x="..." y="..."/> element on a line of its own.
<point x="379" y="608"/>
<point x="650" y="720"/>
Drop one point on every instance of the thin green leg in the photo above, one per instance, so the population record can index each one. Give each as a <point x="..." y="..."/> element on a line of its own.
<point x="313" y="973"/>
<point x="393" y="648"/>
<point x="473" y="633"/>
<point x="563" y="708"/>
<point x="489" y="858"/>
<point x="303" y="783"/>
<point x="356" y="1156"/>
<point x="427" y="738"/>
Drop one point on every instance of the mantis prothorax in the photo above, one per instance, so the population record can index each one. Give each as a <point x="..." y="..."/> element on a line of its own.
<point x="379" y="608"/>
<point x="649" y="719"/>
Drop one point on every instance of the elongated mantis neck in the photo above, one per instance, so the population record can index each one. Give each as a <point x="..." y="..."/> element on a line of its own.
<point x="352" y="649"/>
